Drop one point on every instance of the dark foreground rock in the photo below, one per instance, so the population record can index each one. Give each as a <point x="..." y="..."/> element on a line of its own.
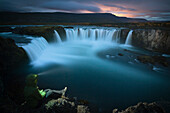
<point x="142" y="108"/>
<point x="152" y="39"/>
<point x="62" y="105"/>
<point x="45" y="31"/>
<point x="5" y="29"/>
<point x="153" y="60"/>
<point x="11" y="56"/>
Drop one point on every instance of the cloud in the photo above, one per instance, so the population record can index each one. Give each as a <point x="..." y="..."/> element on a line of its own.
<point x="69" y="6"/>
<point x="149" y="9"/>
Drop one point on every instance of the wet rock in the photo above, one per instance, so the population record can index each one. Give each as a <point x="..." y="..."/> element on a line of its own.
<point x="107" y="56"/>
<point x="83" y="102"/>
<point x="152" y="39"/>
<point x="120" y="54"/>
<point x="142" y="108"/>
<point x="60" y="105"/>
<point x="153" y="60"/>
<point x="45" y="31"/>
<point x="5" y="29"/>
<point x="123" y="35"/>
<point x="82" y="109"/>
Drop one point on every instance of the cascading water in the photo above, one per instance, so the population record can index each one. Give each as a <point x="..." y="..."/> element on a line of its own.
<point x="129" y="38"/>
<point x="99" y="38"/>
<point x="36" y="47"/>
<point x="93" y="34"/>
<point x="57" y="37"/>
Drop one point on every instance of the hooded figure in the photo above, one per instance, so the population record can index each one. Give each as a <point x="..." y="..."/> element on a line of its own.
<point x="32" y="94"/>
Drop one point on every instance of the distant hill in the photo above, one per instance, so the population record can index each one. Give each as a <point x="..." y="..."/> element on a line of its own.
<point x="59" y="17"/>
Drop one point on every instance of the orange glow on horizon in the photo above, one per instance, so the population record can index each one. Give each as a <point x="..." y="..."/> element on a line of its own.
<point x="85" y="11"/>
<point x="116" y="11"/>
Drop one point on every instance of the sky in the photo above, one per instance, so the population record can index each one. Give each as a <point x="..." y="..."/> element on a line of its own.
<point x="148" y="9"/>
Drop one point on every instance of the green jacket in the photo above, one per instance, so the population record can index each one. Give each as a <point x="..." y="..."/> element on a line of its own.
<point x="31" y="92"/>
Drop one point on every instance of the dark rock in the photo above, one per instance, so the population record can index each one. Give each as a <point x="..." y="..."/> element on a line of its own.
<point x="45" y="31"/>
<point x="11" y="56"/>
<point x="120" y="54"/>
<point x="69" y="27"/>
<point x="61" y="32"/>
<point x="151" y="39"/>
<point x="153" y="60"/>
<point x="60" y="105"/>
<point x="142" y="108"/>
<point x="5" y="29"/>
<point x="1" y="88"/>
<point x="82" y="109"/>
<point x="83" y="102"/>
<point x="123" y="35"/>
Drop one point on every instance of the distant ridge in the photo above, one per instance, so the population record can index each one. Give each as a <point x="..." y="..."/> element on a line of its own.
<point x="60" y="17"/>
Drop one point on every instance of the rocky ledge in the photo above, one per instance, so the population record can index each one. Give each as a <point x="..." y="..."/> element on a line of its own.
<point x="45" y="31"/>
<point x="142" y="108"/>
<point x="11" y="55"/>
<point x="152" y="39"/>
<point x="153" y="60"/>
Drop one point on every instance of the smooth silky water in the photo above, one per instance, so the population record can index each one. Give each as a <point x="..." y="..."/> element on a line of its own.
<point x="89" y="65"/>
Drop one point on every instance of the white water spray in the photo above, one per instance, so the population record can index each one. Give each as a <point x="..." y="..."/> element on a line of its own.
<point x="57" y="37"/>
<point x="93" y="34"/>
<point x="129" y="38"/>
<point x="36" y="47"/>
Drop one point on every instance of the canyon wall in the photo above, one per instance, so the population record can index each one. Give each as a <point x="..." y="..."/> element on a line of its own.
<point x="152" y="39"/>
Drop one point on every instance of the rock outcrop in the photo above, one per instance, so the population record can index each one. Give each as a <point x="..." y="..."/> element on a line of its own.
<point x="60" y="105"/>
<point x="152" y="39"/>
<point x="142" y="108"/>
<point x="5" y="29"/>
<point x="11" y="56"/>
<point x="123" y="35"/>
<point x="153" y="60"/>
<point x="45" y="31"/>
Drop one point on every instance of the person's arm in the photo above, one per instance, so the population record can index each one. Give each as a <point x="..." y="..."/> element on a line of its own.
<point x="43" y="93"/>
<point x="38" y="94"/>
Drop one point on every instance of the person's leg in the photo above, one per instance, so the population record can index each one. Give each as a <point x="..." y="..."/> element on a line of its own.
<point x="54" y="92"/>
<point x="60" y="91"/>
<point x="46" y="90"/>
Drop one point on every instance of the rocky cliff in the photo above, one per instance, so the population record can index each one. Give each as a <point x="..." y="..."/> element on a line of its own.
<point x="45" y="31"/>
<point x="152" y="39"/>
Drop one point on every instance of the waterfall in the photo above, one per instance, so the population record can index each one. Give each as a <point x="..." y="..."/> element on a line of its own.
<point x="93" y="34"/>
<point x="57" y="36"/>
<point x="129" y="38"/>
<point x="35" y="48"/>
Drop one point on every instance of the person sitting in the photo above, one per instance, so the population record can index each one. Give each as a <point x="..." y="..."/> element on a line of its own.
<point x="34" y="96"/>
